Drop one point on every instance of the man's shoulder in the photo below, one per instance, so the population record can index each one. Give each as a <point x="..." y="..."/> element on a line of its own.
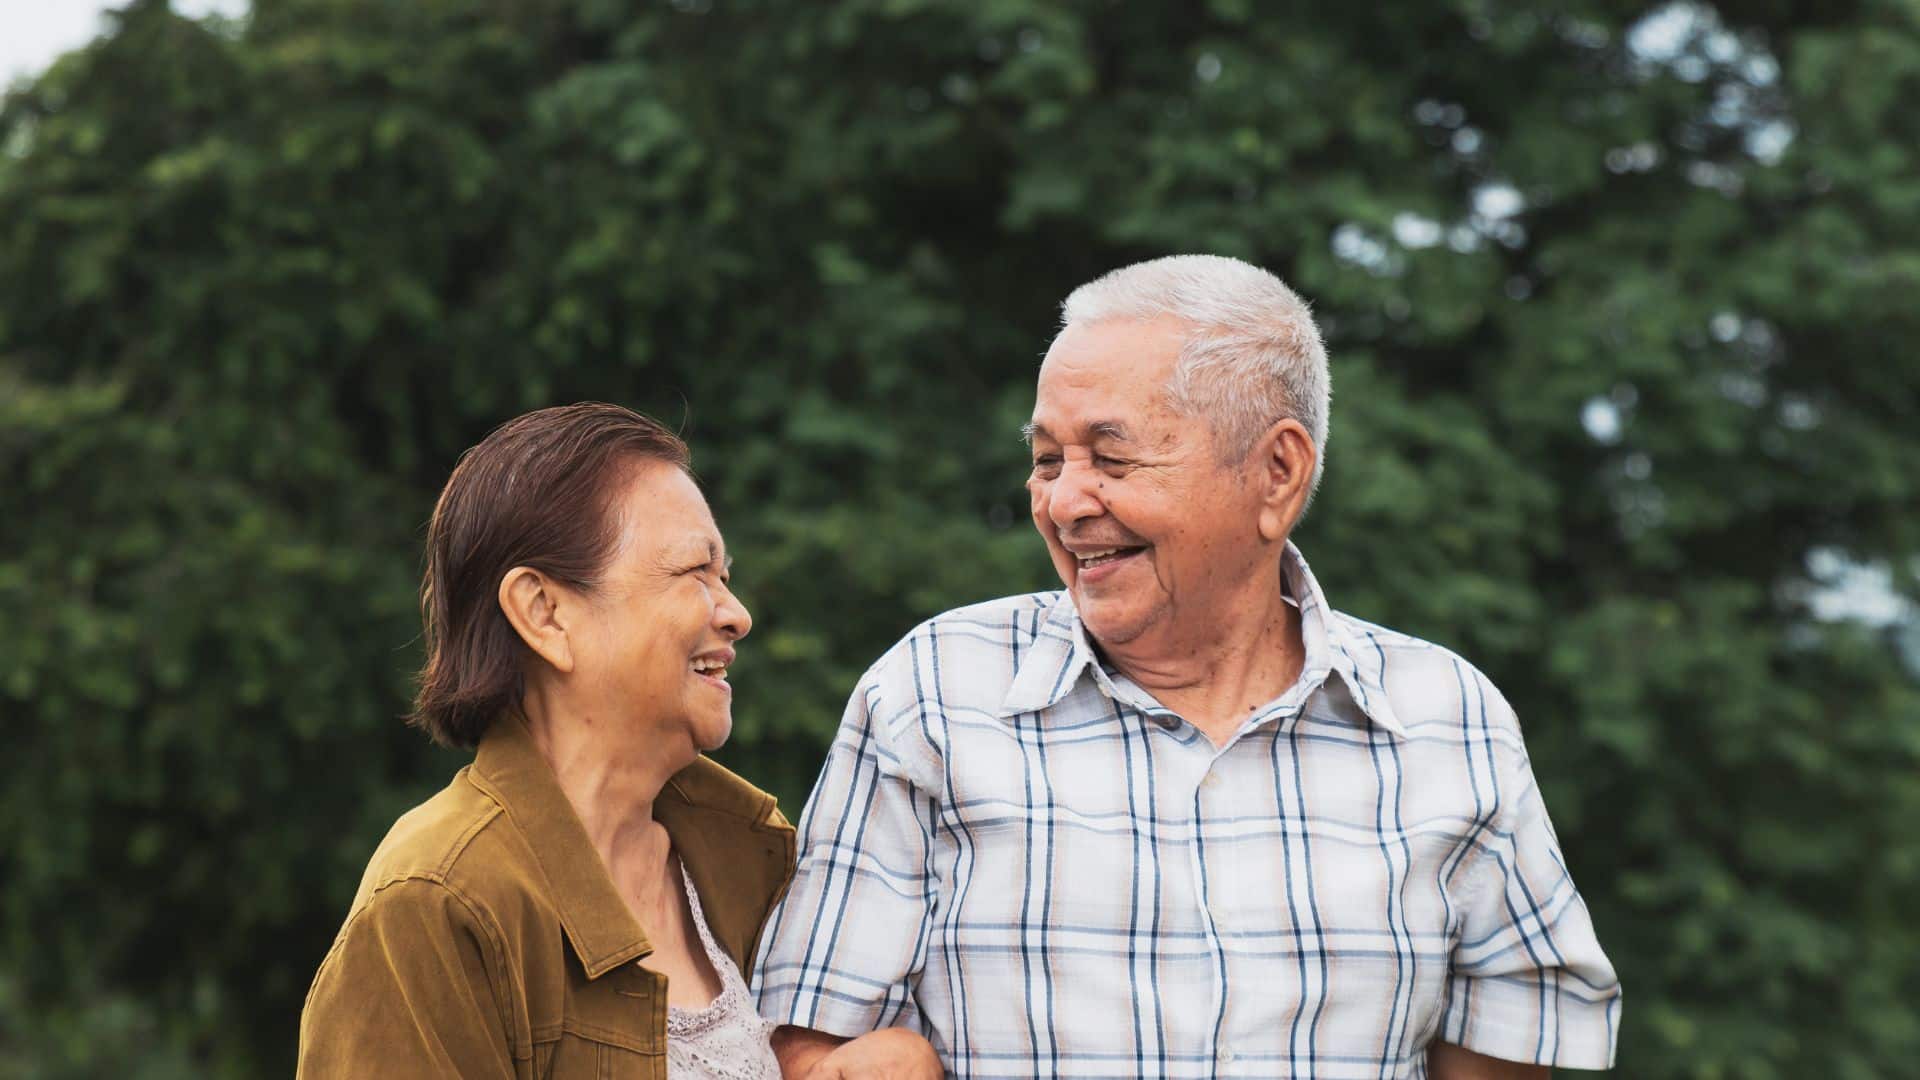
<point x="1025" y="612"/>
<point x="1006" y="625"/>
<point x="1423" y="677"/>
<point x="1362" y="636"/>
<point x="967" y="656"/>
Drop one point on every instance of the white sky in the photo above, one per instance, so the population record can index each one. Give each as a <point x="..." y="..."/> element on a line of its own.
<point x="34" y="32"/>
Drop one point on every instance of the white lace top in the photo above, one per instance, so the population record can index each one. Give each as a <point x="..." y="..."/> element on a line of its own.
<point x="726" y="1040"/>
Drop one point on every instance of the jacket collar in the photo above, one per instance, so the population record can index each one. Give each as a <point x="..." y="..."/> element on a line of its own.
<point x="737" y="848"/>
<point x="715" y="809"/>
<point x="1062" y="651"/>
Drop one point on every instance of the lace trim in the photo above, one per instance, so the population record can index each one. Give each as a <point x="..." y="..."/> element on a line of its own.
<point x="726" y="1039"/>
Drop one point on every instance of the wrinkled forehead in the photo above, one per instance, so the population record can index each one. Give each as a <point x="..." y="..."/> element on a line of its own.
<point x="663" y="515"/>
<point x="1108" y="383"/>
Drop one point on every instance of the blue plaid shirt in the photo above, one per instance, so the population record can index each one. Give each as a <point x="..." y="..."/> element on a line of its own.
<point x="1019" y="852"/>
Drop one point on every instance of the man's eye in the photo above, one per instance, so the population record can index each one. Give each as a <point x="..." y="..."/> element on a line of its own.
<point x="1047" y="461"/>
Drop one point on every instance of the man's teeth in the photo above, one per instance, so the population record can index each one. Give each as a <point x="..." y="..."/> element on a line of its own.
<point x="1092" y="557"/>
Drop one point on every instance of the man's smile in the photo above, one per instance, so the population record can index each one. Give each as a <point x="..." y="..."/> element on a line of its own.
<point x="1097" y="562"/>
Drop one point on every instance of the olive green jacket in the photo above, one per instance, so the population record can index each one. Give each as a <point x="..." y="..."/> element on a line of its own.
<point x="487" y="939"/>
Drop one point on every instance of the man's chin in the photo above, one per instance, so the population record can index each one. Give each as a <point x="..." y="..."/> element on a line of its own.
<point x="1109" y="623"/>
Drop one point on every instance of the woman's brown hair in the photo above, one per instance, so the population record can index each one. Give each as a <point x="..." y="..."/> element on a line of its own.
<point x="537" y="492"/>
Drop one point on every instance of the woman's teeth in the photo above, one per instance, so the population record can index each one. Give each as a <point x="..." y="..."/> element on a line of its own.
<point x="711" y="667"/>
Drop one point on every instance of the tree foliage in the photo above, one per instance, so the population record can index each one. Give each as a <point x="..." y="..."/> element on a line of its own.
<point x="1620" y="299"/>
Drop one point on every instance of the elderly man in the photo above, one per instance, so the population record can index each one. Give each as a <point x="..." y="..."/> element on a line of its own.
<point x="1182" y="819"/>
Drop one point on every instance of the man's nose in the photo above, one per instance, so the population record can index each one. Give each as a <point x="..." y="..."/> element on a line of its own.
<point x="1075" y="494"/>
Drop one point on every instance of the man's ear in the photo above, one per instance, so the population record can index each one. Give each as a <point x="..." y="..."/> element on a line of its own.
<point x="537" y="609"/>
<point x="1285" y="457"/>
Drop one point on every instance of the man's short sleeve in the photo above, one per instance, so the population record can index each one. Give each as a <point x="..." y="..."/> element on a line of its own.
<point x="844" y="949"/>
<point x="1528" y="981"/>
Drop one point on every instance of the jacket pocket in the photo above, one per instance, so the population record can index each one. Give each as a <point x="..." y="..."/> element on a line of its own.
<point x="579" y="1057"/>
<point x="614" y="1028"/>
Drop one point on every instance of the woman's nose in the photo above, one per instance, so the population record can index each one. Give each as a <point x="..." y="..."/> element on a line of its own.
<point x="732" y="616"/>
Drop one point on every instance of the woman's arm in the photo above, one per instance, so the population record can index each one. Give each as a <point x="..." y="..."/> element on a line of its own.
<point x="799" y="1049"/>
<point x="1446" y="1061"/>
<point x="887" y="1054"/>
<point x="406" y="991"/>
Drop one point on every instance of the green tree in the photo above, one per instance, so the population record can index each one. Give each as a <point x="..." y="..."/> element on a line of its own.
<point x="1618" y="298"/>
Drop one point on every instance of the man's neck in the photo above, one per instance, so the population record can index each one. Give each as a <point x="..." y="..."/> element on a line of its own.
<point x="1217" y="675"/>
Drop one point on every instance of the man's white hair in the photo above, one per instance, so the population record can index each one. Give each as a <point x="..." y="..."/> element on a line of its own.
<point x="1253" y="355"/>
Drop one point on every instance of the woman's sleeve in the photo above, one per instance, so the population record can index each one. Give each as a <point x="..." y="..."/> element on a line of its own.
<point x="409" y="989"/>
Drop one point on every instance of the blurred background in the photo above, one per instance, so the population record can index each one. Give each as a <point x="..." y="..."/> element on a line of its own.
<point x="1621" y="299"/>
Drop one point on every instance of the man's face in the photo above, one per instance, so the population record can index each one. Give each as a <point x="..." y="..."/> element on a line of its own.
<point x="1146" y="527"/>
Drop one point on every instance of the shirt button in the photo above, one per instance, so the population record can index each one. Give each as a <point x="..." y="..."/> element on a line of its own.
<point x="1211" y="780"/>
<point x="1226" y="1055"/>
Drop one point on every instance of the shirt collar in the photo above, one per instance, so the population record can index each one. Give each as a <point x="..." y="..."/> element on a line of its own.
<point x="1061" y="652"/>
<point x="598" y="924"/>
<point x="1053" y="662"/>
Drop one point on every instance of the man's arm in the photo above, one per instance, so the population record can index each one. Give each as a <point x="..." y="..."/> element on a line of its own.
<point x="891" y="1053"/>
<point x="1446" y="1061"/>
<point x="842" y="952"/>
<point x="1527" y="980"/>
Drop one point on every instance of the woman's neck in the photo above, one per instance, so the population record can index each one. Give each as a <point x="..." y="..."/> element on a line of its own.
<point x="609" y="778"/>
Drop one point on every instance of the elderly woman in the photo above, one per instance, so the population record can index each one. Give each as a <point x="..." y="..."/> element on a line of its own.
<point x="585" y="898"/>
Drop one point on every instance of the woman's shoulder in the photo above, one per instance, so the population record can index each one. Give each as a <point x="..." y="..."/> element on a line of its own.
<point x="459" y="842"/>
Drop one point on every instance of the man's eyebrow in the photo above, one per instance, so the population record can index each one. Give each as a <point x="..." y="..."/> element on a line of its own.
<point x="1112" y="430"/>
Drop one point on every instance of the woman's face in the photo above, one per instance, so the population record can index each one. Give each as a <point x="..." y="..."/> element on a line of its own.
<point x="663" y="622"/>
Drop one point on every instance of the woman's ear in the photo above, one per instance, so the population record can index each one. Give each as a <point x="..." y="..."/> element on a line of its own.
<point x="536" y="608"/>
<point x="1286" y="457"/>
